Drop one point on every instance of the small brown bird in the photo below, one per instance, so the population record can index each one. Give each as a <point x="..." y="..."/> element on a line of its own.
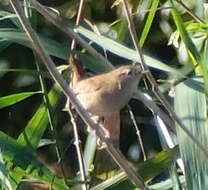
<point x="104" y="95"/>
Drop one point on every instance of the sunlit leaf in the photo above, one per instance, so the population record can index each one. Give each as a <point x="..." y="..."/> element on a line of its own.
<point x="122" y="50"/>
<point x="190" y="105"/>
<point x="6" y="101"/>
<point x="148" y="22"/>
<point x="36" y="126"/>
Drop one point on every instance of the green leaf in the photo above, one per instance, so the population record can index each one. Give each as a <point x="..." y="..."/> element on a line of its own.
<point x="7" y="15"/>
<point x="190" y="105"/>
<point x="4" y="65"/>
<point x="45" y="142"/>
<point x="149" y="21"/>
<point x="122" y="50"/>
<point x="90" y="149"/>
<point x="92" y="63"/>
<point x="4" y="179"/>
<point x="53" y="47"/>
<point x="121" y="29"/>
<point x="167" y="184"/>
<point x="184" y="34"/>
<point x="24" y="163"/>
<point x="147" y="170"/>
<point x="4" y="44"/>
<point x="36" y="126"/>
<point x="6" y="101"/>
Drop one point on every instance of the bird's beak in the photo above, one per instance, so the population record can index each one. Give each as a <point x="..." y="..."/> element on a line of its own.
<point x="140" y="71"/>
<point x="144" y="71"/>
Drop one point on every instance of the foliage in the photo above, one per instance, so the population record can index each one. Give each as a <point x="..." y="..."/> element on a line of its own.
<point x="34" y="125"/>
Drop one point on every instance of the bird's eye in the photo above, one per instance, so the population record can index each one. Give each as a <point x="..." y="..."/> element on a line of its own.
<point x="129" y="73"/>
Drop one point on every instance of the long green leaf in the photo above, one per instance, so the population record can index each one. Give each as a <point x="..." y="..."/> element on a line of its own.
<point x="190" y="105"/>
<point x="149" y="21"/>
<point x="11" y="16"/>
<point x="148" y="170"/>
<point x="184" y="35"/>
<point x="4" y="44"/>
<point x="24" y="162"/>
<point x="167" y="184"/>
<point x="14" y="98"/>
<point x="122" y="50"/>
<point x="53" y="47"/>
<point x="36" y="126"/>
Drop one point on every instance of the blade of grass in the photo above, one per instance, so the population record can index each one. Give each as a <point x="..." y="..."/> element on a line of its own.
<point x="168" y="184"/>
<point x="36" y="126"/>
<point x="90" y="149"/>
<point x="122" y="50"/>
<point x="149" y="21"/>
<point x="184" y="35"/>
<point x="4" y="44"/>
<point x="24" y="162"/>
<point x="148" y="170"/>
<point x="204" y="65"/>
<point x="190" y="104"/>
<point x="9" y="100"/>
<point x="53" y="47"/>
<point x="7" y="15"/>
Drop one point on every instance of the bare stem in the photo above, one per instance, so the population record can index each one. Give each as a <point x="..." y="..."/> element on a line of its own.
<point x="77" y="141"/>
<point x="79" y="18"/>
<point x="77" y="144"/>
<point x="137" y="132"/>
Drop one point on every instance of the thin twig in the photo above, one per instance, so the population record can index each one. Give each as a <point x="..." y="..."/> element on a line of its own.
<point x="78" y="19"/>
<point x="190" y="12"/>
<point x="153" y="82"/>
<point x="38" y="47"/>
<point x="77" y="141"/>
<point x="137" y="132"/>
<point x="77" y="144"/>
<point x="96" y="31"/>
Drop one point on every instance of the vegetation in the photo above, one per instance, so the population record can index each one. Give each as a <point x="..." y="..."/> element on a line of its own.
<point x="38" y="144"/>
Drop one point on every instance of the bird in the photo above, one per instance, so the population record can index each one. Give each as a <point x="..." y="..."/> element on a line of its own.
<point x="104" y="95"/>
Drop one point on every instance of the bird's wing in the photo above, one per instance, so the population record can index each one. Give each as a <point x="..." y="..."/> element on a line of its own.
<point x="87" y="86"/>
